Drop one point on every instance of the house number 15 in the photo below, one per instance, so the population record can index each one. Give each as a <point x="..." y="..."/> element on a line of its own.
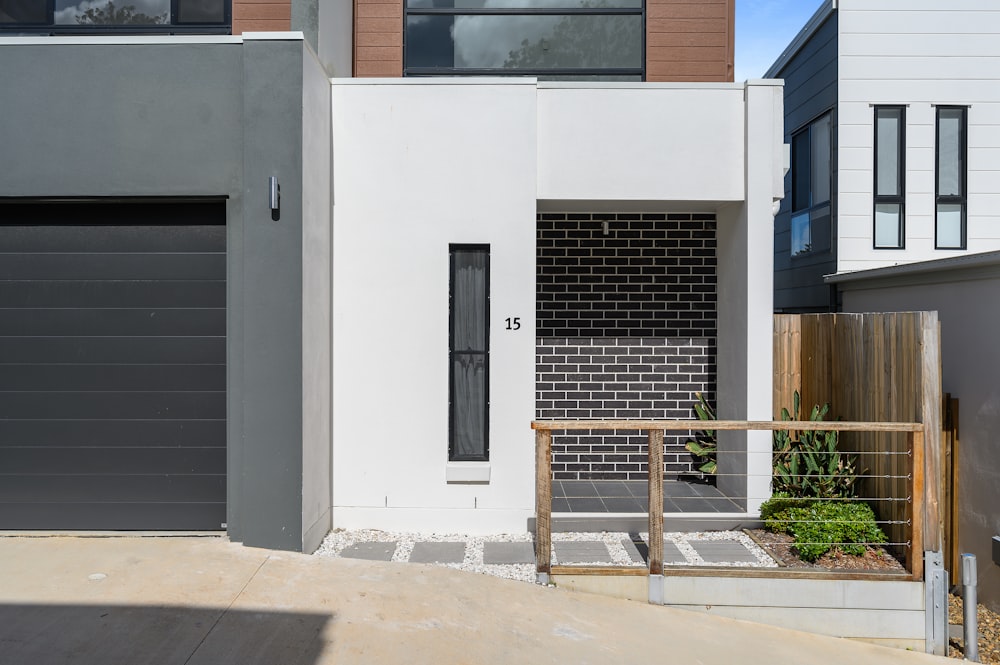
<point x="514" y="323"/>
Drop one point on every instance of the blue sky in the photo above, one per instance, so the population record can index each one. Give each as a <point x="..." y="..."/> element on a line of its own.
<point x="764" y="28"/>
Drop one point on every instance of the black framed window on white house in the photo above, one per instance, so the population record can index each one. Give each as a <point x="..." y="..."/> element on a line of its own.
<point x="951" y="188"/>
<point x="812" y="169"/>
<point x="557" y="39"/>
<point x="469" y="356"/>
<point x="890" y="177"/>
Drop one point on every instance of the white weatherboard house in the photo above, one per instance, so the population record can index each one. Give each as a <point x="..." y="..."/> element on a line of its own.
<point x="440" y="188"/>
<point x="893" y="114"/>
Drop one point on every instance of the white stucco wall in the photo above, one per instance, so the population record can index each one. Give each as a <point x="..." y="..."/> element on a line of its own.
<point x="919" y="54"/>
<point x="419" y="165"/>
<point x="422" y="163"/>
<point x="663" y="142"/>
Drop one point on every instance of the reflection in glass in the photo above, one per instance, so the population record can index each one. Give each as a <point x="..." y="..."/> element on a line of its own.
<point x="201" y="11"/>
<point x="949" y="226"/>
<point x="820" y="136"/>
<point x="887" y="225"/>
<point x="110" y="12"/>
<point x="801" y="234"/>
<point x="524" y="42"/>
<point x="22" y="11"/>
<point x="887" y="151"/>
<point x="950" y="152"/>
<point x="523" y="4"/>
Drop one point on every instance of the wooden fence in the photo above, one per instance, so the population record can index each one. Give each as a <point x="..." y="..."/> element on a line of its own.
<point x="911" y="482"/>
<point x="878" y="367"/>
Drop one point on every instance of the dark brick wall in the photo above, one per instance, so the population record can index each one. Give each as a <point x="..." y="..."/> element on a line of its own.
<point x="626" y="329"/>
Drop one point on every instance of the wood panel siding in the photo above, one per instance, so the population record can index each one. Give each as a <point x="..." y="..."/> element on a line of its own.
<point x="378" y="38"/>
<point x="810" y="91"/>
<point x="261" y="16"/>
<point x="689" y="40"/>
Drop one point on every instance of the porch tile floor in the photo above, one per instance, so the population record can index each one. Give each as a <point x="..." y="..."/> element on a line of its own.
<point x="630" y="496"/>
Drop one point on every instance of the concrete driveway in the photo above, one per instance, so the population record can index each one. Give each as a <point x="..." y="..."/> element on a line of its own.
<point x="205" y="601"/>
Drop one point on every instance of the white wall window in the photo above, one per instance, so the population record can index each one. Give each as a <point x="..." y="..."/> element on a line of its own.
<point x="469" y="343"/>
<point x="950" y="175"/>
<point x="890" y="169"/>
<point x="811" y="185"/>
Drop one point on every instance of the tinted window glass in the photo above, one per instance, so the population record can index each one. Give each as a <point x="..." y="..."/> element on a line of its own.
<point x="524" y="42"/>
<point x="124" y="12"/>
<point x="522" y="4"/>
<point x="22" y="11"/>
<point x="201" y="11"/>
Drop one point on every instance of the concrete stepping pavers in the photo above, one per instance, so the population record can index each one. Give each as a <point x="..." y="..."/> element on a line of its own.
<point x="438" y="553"/>
<point x="583" y="551"/>
<point x="722" y="551"/>
<point x="376" y="551"/>
<point x="508" y="553"/>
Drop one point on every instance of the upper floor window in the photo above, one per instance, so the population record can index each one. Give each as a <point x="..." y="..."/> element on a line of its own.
<point x="115" y="16"/>
<point x="890" y="170"/>
<point x="950" y="169"/>
<point x="811" y="186"/>
<point x="550" y="39"/>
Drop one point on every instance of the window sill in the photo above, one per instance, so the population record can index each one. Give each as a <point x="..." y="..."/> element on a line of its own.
<point x="467" y="472"/>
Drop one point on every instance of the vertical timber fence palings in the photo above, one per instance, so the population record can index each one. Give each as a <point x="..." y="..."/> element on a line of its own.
<point x="903" y="485"/>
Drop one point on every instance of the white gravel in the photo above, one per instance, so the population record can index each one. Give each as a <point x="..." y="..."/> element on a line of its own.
<point x="339" y="539"/>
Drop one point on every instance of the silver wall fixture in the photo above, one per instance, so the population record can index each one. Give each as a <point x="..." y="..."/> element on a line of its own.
<point x="274" y="197"/>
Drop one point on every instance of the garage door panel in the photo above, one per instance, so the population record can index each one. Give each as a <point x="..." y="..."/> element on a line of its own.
<point x="100" y="460"/>
<point x="186" y="405"/>
<point x="109" y="433"/>
<point x="137" y="350"/>
<point x="113" y="322"/>
<point x="102" y="293"/>
<point x="102" y="239"/>
<point x="111" y="488"/>
<point x="112" y="377"/>
<point x="144" y="516"/>
<point x="110" y="266"/>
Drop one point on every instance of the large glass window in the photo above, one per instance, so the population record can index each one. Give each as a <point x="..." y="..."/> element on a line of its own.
<point x="952" y="147"/>
<point x="114" y="16"/>
<point x="890" y="170"/>
<point x="556" y="39"/>
<point x="811" y="186"/>
<point x="469" y="342"/>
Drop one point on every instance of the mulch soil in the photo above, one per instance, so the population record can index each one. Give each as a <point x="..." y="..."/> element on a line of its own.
<point x="989" y="632"/>
<point x="781" y="547"/>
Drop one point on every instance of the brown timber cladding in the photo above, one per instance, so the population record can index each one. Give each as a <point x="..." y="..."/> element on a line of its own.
<point x="261" y="16"/>
<point x="378" y="38"/>
<point x="686" y="40"/>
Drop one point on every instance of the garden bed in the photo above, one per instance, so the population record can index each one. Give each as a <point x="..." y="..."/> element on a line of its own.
<point x="781" y="547"/>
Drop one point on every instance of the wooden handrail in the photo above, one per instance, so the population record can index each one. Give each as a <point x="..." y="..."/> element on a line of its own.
<point x="656" y="428"/>
<point x="754" y="425"/>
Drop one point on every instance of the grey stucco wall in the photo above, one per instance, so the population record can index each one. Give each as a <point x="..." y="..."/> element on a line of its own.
<point x="970" y="367"/>
<point x="191" y="120"/>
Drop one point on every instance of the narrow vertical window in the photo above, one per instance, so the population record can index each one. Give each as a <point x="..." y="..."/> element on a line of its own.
<point x="950" y="204"/>
<point x="469" y="338"/>
<point x="811" y="186"/>
<point x="890" y="148"/>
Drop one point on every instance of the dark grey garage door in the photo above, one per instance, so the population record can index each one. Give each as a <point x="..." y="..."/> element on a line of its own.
<point x="112" y="366"/>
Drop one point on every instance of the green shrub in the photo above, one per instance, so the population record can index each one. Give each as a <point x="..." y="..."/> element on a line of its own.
<point x="704" y="445"/>
<point x="811" y="466"/>
<point x="819" y="526"/>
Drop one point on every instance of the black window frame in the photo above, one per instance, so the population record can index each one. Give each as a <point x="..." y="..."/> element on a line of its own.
<point x="892" y="199"/>
<point x="49" y="27"/>
<point x="527" y="11"/>
<point x="800" y="172"/>
<point x="485" y="353"/>
<point x="963" y="198"/>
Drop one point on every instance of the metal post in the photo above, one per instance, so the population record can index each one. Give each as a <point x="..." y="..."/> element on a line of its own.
<point x="935" y="603"/>
<point x="970" y="603"/>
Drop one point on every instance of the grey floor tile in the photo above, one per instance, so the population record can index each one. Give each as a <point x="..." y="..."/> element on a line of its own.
<point x="722" y="551"/>
<point x="638" y="488"/>
<point x="694" y="504"/>
<point x="587" y="551"/>
<point x="616" y="504"/>
<point x="558" y="489"/>
<point x="579" y="488"/>
<point x="505" y="553"/>
<point x="438" y="553"/>
<point x="611" y="488"/>
<point x="587" y="505"/>
<point x="369" y="551"/>
<point x="560" y="505"/>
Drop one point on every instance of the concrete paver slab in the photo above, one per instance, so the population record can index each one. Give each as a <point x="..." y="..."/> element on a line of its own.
<point x="722" y="551"/>
<point x="587" y="551"/>
<point x="671" y="554"/>
<point x="632" y="551"/>
<point x="438" y="553"/>
<point x="508" y="553"/>
<point x="373" y="551"/>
